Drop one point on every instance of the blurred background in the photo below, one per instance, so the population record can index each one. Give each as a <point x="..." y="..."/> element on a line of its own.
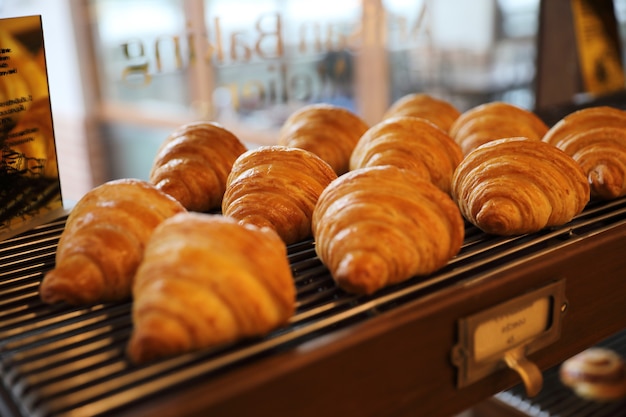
<point x="123" y="74"/>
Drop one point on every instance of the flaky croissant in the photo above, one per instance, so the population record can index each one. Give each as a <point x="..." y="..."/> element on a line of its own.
<point x="596" y="138"/>
<point x="193" y="163"/>
<point x="495" y="120"/>
<point x="377" y="226"/>
<point x="585" y="119"/>
<point x="514" y="186"/>
<point x="330" y="132"/>
<point x="441" y="112"/>
<point x="411" y="143"/>
<point x="277" y="186"/>
<point x="103" y="242"/>
<point x="205" y="281"/>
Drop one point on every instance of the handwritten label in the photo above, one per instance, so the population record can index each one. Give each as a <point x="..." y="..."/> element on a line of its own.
<point x="506" y="331"/>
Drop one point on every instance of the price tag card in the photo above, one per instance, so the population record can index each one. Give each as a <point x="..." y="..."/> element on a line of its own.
<point x="526" y="323"/>
<point x="30" y="190"/>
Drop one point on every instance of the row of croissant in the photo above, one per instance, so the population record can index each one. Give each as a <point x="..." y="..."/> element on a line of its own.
<point x="383" y="204"/>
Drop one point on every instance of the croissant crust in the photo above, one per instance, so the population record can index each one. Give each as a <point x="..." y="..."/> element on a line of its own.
<point x="438" y="111"/>
<point x="585" y="119"/>
<point x="516" y="185"/>
<point x="495" y="120"/>
<point x="206" y="281"/>
<point x="103" y="242"/>
<point x="277" y="187"/>
<point x="378" y="226"/>
<point x="596" y="138"/>
<point x="328" y="131"/>
<point x="411" y="143"/>
<point x="193" y="163"/>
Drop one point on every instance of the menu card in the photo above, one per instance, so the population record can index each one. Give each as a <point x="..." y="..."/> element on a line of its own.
<point x="30" y="189"/>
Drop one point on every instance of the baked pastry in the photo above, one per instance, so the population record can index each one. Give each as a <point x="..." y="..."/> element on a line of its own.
<point x="378" y="226"/>
<point x="330" y="132"/>
<point x="441" y="112"/>
<point x="495" y="120"/>
<point x="411" y="143"/>
<point x="596" y="374"/>
<point x="514" y="186"/>
<point x="596" y="138"/>
<point x="103" y="242"/>
<point x="193" y="163"/>
<point x="585" y="119"/>
<point x="206" y="281"/>
<point x="277" y="186"/>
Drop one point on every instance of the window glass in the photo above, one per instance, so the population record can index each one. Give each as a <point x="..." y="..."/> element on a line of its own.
<point x="271" y="57"/>
<point x="249" y="64"/>
<point x="466" y="52"/>
<point x="141" y="54"/>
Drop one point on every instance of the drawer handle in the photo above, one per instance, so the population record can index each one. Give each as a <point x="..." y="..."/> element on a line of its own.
<point x="527" y="370"/>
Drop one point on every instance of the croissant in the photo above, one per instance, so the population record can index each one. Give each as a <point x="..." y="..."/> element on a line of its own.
<point x="411" y="143"/>
<point x="205" y="281"/>
<point x="277" y="187"/>
<point x="378" y="226"/>
<point x="513" y="186"/>
<point x="103" y="242"/>
<point x="596" y="138"/>
<point x="495" y="120"/>
<point x="440" y="112"/>
<point x="330" y="132"/>
<point x="193" y="163"/>
<point x="585" y="119"/>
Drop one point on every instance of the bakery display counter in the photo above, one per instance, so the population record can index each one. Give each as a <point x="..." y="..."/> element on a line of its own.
<point x="414" y="349"/>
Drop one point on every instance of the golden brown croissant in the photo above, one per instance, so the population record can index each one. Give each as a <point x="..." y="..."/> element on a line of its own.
<point x="330" y="132"/>
<point x="596" y="138"/>
<point x="601" y="153"/>
<point x="440" y="112"/>
<point x="411" y="143"/>
<point x="378" y="226"/>
<point x="103" y="242"/>
<point x="585" y="119"/>
<point x="276" y="186"/>
<point x="514" y="186"/>
<point x="495" y="120"/>
<point x="205" y="281"/>
<point x="193" y="163"/>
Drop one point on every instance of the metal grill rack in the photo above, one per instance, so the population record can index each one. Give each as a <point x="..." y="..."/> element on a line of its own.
<point x="70" y="361"/>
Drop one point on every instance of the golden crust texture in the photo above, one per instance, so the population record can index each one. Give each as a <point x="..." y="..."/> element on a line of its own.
<point x="193" y="163"/>
<point x="205" y="281"/>
<point x="328" y="131"/>
<point x="440" y="112"/>
<point x="585" y="119"/>
<point x="596" y="138"/>
<point x="514" y="186"/>
<point x="495" y="120"/>
<point x="377" y="226"/>
<point x="103" y="242"/>
<point x="277" y="187"/>
<point x="411" y="143"/>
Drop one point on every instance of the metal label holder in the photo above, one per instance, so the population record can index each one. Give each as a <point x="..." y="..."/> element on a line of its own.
<point x="504" y="335"/>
